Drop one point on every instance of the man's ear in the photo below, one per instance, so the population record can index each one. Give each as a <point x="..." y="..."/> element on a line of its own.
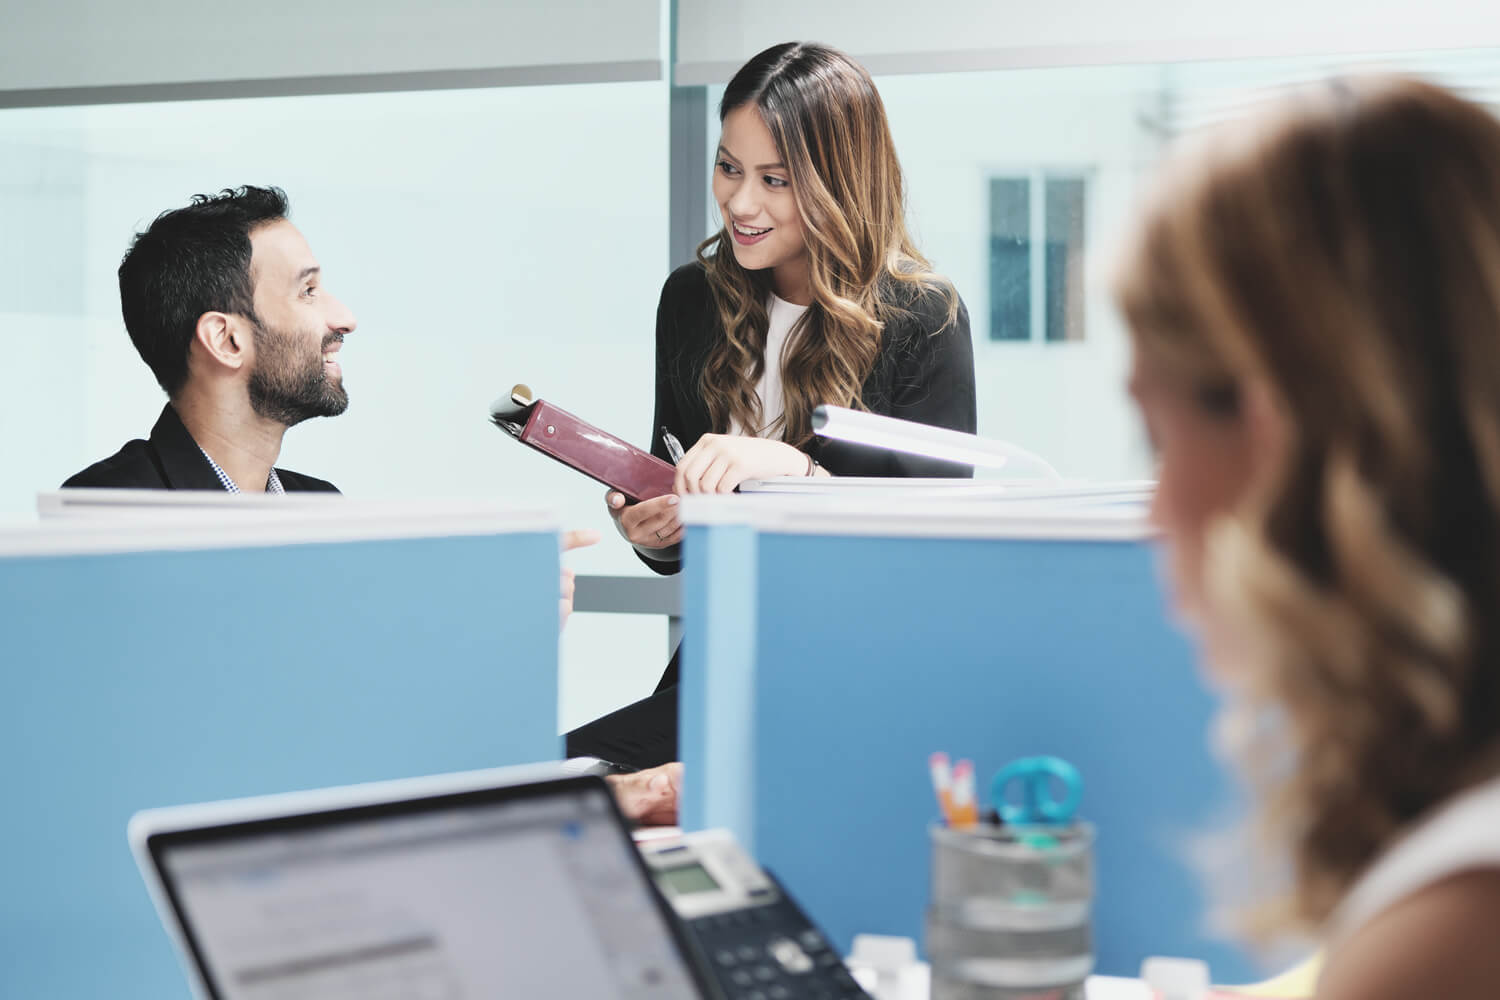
<point x="224" y="339"/>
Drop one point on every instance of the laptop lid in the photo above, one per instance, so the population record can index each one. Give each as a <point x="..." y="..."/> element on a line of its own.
<point x="509" y="882"/>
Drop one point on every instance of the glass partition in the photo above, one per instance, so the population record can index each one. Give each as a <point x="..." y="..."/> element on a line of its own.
<point x="1020" y="183"/>
<point x="487" y="237"/>
<point x="481" y="237"/>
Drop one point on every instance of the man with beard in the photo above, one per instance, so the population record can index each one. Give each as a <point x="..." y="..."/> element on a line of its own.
<point x="225" y="302"/>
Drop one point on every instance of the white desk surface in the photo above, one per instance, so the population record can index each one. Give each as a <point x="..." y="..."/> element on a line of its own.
<point x="916" y="986"/>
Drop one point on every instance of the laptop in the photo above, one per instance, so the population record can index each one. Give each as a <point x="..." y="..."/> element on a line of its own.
<point x="512" y="882"/>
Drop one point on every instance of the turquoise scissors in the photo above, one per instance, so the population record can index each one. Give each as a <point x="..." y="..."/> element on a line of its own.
<point x="1037" y="777"/>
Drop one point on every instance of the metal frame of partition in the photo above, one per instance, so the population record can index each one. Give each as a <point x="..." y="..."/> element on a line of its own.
<point x="633" y="595"/>
<point x="687" y="129"/>
<point x="687" y="201"/>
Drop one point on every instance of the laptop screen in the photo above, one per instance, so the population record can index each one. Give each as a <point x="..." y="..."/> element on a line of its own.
<point x="502" y="893"/>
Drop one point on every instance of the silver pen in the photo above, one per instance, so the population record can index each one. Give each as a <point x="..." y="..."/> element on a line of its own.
<point x="674" y="446"/>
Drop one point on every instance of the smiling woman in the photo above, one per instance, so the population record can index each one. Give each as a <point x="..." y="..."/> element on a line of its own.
<point x="812" y="292"/>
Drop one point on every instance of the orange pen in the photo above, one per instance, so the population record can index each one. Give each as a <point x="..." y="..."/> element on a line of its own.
<point x="942" y="784"/>
<point x="965" y="808"/>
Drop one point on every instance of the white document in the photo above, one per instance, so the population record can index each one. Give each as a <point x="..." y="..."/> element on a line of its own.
<point x="1063" y="493"/>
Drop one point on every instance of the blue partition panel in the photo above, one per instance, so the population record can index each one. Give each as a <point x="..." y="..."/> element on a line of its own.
<point x="870" y="653"/>
<point x="151" y="679"/>
<point x="711" y="715"/>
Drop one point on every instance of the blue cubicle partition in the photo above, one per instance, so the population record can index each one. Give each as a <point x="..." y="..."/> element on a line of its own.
<point x="831" y="647"/>
<point x="155" y="676"/>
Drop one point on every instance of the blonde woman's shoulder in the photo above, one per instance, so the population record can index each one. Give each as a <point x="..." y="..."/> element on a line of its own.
<point x="1436" y="944"/>
<point x="1421" y="921"/>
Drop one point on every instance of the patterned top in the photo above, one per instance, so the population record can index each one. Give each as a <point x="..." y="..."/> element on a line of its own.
<point x="273" y="481"/>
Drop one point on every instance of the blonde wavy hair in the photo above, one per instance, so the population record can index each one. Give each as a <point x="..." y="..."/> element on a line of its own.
<point x="1344" y="252"/>
<point x="829" y="125"/>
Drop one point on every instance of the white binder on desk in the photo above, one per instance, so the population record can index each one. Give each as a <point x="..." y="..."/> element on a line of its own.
<point x="1060" y="493"/>
<point x="913" y="438"/>
<point x="1040" y="484"/>
<point x="874" y="486"/>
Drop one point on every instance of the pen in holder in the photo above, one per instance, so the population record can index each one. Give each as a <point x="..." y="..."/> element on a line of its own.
<point x="1010" y="912"/>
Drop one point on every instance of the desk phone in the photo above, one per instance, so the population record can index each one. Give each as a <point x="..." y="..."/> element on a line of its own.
<point x="755" y="940"/>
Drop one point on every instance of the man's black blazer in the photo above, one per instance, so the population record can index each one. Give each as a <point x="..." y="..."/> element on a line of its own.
<point x="171" y="460"/>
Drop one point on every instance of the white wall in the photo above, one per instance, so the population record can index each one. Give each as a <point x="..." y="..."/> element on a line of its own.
<point x="1065" y="401"/>
<point x="481" y="237"/>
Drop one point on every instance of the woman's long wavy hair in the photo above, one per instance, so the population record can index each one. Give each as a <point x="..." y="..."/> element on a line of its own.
<point x="829" y="125"/>
<point x="1345" y="254"/>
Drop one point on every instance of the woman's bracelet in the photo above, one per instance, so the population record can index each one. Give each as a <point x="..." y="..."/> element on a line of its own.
<point x="812" y="466"/>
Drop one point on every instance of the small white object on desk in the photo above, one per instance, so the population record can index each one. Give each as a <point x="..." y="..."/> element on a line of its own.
<point x="1115" y="988"/>
<point x="1176" y="978"/>
<point x="887" y="967"/>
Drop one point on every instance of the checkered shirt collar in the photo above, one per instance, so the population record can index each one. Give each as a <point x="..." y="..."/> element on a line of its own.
<point x="273" y="481"/>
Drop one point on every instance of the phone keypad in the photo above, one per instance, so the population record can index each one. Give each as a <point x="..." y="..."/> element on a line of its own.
<point x="771" y="953"/>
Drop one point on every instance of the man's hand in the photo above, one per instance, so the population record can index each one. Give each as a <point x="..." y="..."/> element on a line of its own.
<point x="581" y="538"/>
<point x="649" y="798"/>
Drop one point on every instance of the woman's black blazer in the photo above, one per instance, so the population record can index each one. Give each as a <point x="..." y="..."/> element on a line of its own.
<point x="924" y="372"/>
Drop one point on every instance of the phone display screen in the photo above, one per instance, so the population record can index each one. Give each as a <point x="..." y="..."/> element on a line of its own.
<point x="686" y="879"/>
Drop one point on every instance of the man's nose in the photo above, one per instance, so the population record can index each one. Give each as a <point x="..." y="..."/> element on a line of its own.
<point x="340" y="318"/>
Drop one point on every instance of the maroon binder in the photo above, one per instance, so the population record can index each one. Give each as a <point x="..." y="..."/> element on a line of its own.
<point x="597" y="454"/>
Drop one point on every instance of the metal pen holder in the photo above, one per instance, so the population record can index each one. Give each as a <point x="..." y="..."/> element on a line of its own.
<point x="1010" y="912"/>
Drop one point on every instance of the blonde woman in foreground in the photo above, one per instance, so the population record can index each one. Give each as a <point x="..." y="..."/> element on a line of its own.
<point x="1315" y="309"/>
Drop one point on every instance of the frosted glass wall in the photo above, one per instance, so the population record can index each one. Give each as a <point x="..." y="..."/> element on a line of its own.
<point x="1108" y="127"/>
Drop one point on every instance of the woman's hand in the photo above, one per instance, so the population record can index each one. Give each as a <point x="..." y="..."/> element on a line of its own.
<point x="650" y="524"/>
<point x="720" y="462"/>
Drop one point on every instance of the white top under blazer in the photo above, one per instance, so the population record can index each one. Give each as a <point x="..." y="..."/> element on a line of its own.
<point x="782" y="316"/>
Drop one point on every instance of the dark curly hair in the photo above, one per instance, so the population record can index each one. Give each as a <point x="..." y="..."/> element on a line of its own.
<point x="190" y="261"/>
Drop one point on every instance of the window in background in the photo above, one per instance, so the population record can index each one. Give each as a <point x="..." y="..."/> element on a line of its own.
<point x="1037" y="224"/>
<point x="1063" y="261"/>
<point x="1010" y="258"/>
